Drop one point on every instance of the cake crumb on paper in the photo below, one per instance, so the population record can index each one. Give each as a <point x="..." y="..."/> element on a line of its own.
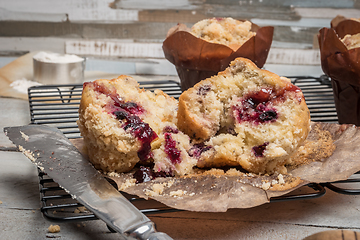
<point x="177" y="193"/>
<point x="24" y="136"/>
<point x="27" y="153"/>
<point x="54" y="229"/>
<point x="127" y="183"/>
<point x="157" y="189"/>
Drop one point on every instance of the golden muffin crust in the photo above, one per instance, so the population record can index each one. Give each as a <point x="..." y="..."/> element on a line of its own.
<point x="227" y="31"/>
<point x="351" y="41"/>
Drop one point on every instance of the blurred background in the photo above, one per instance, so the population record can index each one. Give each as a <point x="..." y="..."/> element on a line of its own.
<point x="125" y="36"/>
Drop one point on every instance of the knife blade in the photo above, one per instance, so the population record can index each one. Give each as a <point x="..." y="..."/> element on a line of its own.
<point x="53" y="153"/>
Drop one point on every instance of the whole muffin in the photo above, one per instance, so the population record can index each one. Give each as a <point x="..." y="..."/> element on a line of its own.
<point x="244" y="116"/>
<point x="211" y="44"/>
<point x="340" y="56"/>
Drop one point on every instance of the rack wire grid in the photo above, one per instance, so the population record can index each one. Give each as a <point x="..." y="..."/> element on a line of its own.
<point x="57" y="106"/>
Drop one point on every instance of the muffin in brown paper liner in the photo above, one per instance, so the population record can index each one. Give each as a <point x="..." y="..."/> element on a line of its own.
<point x="196" y="59"/>
<point x="342" y="66"/>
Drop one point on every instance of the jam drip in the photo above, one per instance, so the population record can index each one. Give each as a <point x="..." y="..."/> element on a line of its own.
<point x="259" y="150"/>
<point x="145" y="174"/>
<point x="170" y="149"/>
<point x="142" y="131"/>
<point x="128" y="111"/>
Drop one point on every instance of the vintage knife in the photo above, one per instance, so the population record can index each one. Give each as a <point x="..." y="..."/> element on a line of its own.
<point x="53" y="153"/>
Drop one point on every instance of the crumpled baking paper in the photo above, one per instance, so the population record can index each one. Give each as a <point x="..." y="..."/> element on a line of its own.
<point x="219" y="192"/>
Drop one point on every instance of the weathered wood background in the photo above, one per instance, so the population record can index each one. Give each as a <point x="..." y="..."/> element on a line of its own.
<point x="129" y="30"/>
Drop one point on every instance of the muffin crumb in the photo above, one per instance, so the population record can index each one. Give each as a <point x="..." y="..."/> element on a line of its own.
<point x="54" y="229"/>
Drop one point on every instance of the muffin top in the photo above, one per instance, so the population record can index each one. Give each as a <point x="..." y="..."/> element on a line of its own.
<point x="351" y="41"/>
<point x="226" y="31"/>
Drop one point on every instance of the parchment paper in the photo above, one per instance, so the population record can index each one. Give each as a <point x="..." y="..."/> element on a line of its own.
<point x="216" y="192"/>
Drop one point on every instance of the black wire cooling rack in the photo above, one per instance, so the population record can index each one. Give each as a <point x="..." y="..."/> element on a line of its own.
<point x="57" y="106"/>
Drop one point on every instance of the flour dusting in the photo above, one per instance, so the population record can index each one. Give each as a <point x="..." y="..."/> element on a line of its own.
<point x="23" y="84"/>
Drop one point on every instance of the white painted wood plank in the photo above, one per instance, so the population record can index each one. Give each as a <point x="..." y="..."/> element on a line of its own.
<point x="295" y="45"/>
<point x="110" y="66"/>
<point x="114" y="48"/>
<point x="8" y="15"/>
<point x="53" y="44"/>
<point x="319" y="3"/>
<point x="84" y="10"/>
<point x="129" y="49"/>
<point x="155" y="67"/>
<point x="327" y="13"/>
<point x="294" y="56"/>
<point x="294" y="70"/>
<point x="164" y="67"/>
<point x="303" y="22"/>
<point x="154" y="50"/>
<point x="155" y="4"/>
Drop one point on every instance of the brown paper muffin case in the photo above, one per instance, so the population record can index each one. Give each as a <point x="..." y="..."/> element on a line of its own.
<point x="196" y="59"/>
<point x="343" y="67"/>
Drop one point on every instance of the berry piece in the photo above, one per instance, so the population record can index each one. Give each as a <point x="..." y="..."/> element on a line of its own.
<point x="259" y="150"/>
<point x="144" y="174"/>
<point x="171" y="150"/>
<point x="203" y="90"/>
<point x="198" y="149"/>
<point x="169" y="129"/>
<point x="256" y="107"/>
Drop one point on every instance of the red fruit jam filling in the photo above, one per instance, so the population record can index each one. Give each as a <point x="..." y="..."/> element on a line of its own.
<point x="128" y="111"/>
<point x="170" y="149"/>
<point x="259" y="150"/>
<point x="145" y="174"/>
<point x="169" y="129"/>
<point x="258" y="107"/>
<point x="198" y="149"/>
<point x="142" y="131"/>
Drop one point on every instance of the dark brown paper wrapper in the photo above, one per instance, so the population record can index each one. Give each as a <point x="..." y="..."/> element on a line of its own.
<point x="196" y="59"/>
<point x="347" y="102"/>
<point x="342" y="66"/>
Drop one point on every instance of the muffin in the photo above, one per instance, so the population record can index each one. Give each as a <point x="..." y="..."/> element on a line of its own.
<point x="340" y="56"/>
<point x="210" y="45"/>
<point x="123" y="125"/>
<point x="244" y="116"/>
